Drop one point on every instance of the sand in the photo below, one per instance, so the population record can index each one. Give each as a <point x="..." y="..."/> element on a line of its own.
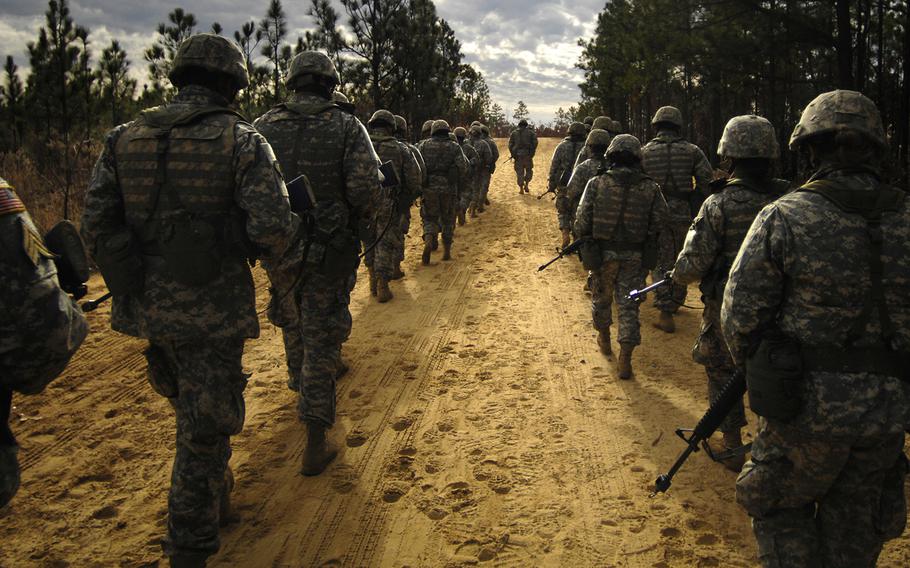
<point x="479" y="425"/>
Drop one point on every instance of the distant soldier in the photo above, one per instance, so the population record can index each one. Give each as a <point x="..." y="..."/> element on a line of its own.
<point x="674" y="164"/>
<point x="427" y="129"/>
<point x="447" y="171"/>
<point x="596" y="146"/>
<point x="474" y="166"/>
<point x="712" y="243"/>
<point x="40" y="326"/>
<point x="602" y="124"/>
<point x="343" y="102"/>
<point x="405" y="202"/>
<point x="484" y="168"/>
<point x="589" y="123"/>
<point x="313" y="138"/>
<point x="561" y="166"/>
<point x="387" y="216"/>
<point x="522" y="147"/>
<point x="494" y="150"/>
<point x="621" y="212"/>
<point x="817" y="310"/>
<point x="180" y="201"/>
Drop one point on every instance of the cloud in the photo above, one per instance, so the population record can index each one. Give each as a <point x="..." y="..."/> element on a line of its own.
<point x="526" y="49"/>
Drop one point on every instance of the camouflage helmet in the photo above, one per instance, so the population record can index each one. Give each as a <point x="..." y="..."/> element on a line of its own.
<point x="476" y="130"/>
<point x="476" y="123"/>
<point x="748" y="136"/>
<point x="440" y="126"/>
<point x="577" y="129"/>
<point x="401" y="125"/>
<point x="669" y="115"/>
<point x="589" y="120"/>
<point x="485" y="129"/>
<point x="602" y="123"/>
<point x="339" y="97"/>
<point x="836" y="111"/>
<point x="625" y="143"/>
<point x="460" y="132"/>
<point x="212" y="53"/>
<point x="522" y="123"/>
<point x="615" y="127"/>
<point x="382" y="117"/>
<point x="598" y="137"/>
<point x="313" y="64"/>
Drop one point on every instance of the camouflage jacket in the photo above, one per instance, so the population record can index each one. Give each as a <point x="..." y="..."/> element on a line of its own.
<point x="523" y="142"/>
<point x="40" y="326"/>
<point x="494" y="150"/>
<point x="674" y="164"/>
<point x="420" y="163"/>
<point x="623" y="210"/>
<point x="225" y="308"/>
<point x="582" y="174"/>
<point x="800" y="270"/>
<point x="563" y="161"/>
<point x="406" y="168"/>
<point x="585" y="154"/>
<point x="447" y="167"/>
<point x="484" y="154"/>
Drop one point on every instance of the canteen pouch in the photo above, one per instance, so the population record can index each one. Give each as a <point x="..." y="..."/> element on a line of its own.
<point x="774" y="377"/>
<point x="591" y="255"/>
<point x="120" y="262"/>
<point x="190" y="248"/>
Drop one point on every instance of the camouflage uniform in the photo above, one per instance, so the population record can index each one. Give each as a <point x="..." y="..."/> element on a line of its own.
<point x="713" y="241"/>
<point x="561" y="166"/>
<point x="673" y="163"/>
<point x="475" y="164"/>
<point x="494" y="151"/>
<point x="522" y="147"/>
<point x="602" y="123"/>
<point x="485" y="167"/>
<point x="312" y="137"/>
<point x="826" y="488"/>
<point x="621" y="233"/>
<point x="401" y="133"/>
<point x="585" y="171"/>
<point x="40" y="327"/>
<point x="447" y="172"/>
<point x="213" y="166"/>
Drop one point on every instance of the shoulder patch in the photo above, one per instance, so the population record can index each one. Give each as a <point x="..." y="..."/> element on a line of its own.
<point x="9" y="201"/>
<point x="32" y="243"/>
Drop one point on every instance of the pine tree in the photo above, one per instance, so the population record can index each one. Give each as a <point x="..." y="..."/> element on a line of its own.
<point x="273" y="28"/>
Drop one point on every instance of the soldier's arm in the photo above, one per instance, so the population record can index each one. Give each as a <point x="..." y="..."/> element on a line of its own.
<point x="513" y="137"/>
<point x="756" y="284"/>
<point x="103" y="211"/>
<point x="261" y="193"/>
<point x="584" y="215"/>
<point x="556" y="166"/>
<point x="703" y="243"/>
<point x="533" y="143"/>
<point x="361" y="172"/>
<point x="412" y="174"/>
<point x="702" y="171"/>
<point x="577" y="182"/>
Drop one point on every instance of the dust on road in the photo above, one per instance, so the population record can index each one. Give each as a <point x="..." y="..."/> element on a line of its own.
<point x="480" y="424"/>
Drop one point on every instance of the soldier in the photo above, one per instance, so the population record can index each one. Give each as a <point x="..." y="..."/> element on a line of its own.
<point x="621" y="211"/>
<point x="447" y="172"/>
<point x="387" y="220"/>
<point x="474" y="165"/>
<point x="561" y="167"/>
<point x="712" y="243"/>
<point x="40" y="326"/>
<point x="180" y="200"/>
<point x="603" y="124"/>
<point x="589" y="123"/>
<point x="673" y="163"/>
<point x="494" y="150"/>
<point x="816" y="310"/>
<point x="312" y="137"/>
<point x="343" y="102"/>
<point x="522" y="147"/>
<point x="484" y="168"/>
<point x="405" y="202"/>
<point x="427" y="129"/>
<point x="596" y="146"/>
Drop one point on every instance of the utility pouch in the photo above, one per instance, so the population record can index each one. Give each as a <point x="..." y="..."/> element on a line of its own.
<point x="190" y="247"/>
<point x="591" y="255"/>
<point x="120" y="262"/>
<point x="649" y="254"/>
<point x="339" y="256"/>
<point x="774" y="376"/>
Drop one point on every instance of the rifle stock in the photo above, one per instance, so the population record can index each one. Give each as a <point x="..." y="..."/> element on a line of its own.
<point x="572" y="248"/>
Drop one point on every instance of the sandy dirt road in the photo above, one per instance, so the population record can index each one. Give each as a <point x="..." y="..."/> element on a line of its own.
<point x="479" y="422"/>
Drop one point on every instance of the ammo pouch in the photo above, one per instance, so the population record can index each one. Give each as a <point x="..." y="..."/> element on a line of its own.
<point x="120" y="262"/>
<point x="190" y="247"/>
<point x="774" y="378"/>
<point x="591" y="255"/>
<point x="334" y="256"/>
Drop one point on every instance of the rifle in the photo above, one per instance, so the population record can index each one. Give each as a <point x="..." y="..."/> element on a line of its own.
<point x="639" y="295"/>
<point x="92" y="305"/>
<point x="553" y="191"/>
<point x="732" y="392"/>
<point x="572" y="248"/>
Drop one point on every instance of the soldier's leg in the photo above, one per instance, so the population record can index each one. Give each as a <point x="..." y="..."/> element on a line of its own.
<point x="603" y="281"/>
<point x="563" y="216"/>
<point x="668" y="299"/>
<point x="519" y="172"/>
<point x="629" y="276"/>
<point x="790" y="471"/>
<point x="866" y="506"/>
<point x="431" y="214"/>
<point x="448" y="206"/>
<point x="204" y="382"/>
<point x="529" y="169"/>
<point x="486" y="192"/>
<point x="386" y="261"/>
<point x="293" y="351"/>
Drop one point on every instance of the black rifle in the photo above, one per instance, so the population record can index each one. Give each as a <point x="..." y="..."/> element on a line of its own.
<point x="560" y="253"/>
<point x="92" y="305"/>
<point x="553" y="191"/>
<point x="732" y="393"/>
<point x="639" y="295"/>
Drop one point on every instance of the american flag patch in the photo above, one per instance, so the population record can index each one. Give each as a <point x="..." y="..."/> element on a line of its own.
<point x="9" y="201"/>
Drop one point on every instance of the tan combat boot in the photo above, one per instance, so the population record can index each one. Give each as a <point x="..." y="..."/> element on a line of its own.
<point x="319" y="451"/>
<point x="625" y="361"/>
<point x="665" y="323"/>
<point x="603" y="341"/>
<point x="566" y="238"/>
<point x="372" y="281"/>
<point x="384" y="293"/>
<point x="427" y="250"/>
<point x="399" y="273"/>
<point x="461" y="218"/>
<point x="446" y="251"/>
<point x="732" y="440"/>
<point x="472" y="211"/>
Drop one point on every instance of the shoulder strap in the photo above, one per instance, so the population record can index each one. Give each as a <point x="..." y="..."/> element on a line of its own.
<point x="668" y="176"/>
<point x="307" y="109"/>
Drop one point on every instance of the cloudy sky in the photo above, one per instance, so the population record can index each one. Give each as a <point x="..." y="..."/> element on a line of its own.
<point x="526" y="49"/>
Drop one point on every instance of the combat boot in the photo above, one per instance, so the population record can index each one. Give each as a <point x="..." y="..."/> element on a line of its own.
<point x="319" y="451"/>
<point x="486" y="201"/>
<point x="435" y="243"/>
<point x="342" y="368"/>
<point x="472" y="211"/>
<point x="603" y="341"/>
<point x="625" y="361"/>
<point x="427" y="251"/>
<point x="566" y="238"/>
<point x="446" y="250"/>
<point x="732" y="440"/>
<point x="461" y="219"/>
<point x="188" y="560"/>
<point x="399" y="273"/>
<point x="385" y="294"/>
<point x="224" y="505"/>
<point x="665" y="323"/>
<point x="372" y="282"/>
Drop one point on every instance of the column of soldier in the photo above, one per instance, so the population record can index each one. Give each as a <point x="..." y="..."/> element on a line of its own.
<point x="182" y="202"/>
<point x="804" y="289"/>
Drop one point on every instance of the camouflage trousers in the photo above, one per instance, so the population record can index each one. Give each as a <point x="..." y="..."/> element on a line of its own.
<point x="383" y="256"/>
<point x="822" y="502"/>
<point x="616" y="278"/>
<point x="438" y="212"/>
<point x="483" y="188"/>
<point x="467" y="197"/>
<point x="711" y="351"/>
<point x="524" y="169"/>
<point x="564" y="213"/>
<point x="670" y="243"/>
<point x="313" y="343"/>
<point x="204" y="382"/>
<point x="405" y="229"/>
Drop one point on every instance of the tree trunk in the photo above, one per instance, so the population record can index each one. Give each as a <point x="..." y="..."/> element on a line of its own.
<point x="844" y="45"/>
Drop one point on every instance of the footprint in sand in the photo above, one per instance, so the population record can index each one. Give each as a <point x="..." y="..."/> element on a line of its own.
<point x="401" y="423"/>
<point x="356" y="438"/>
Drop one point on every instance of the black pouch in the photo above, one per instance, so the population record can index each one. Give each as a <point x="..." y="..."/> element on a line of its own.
<point x="774" y="376"/>
<point x="591" y="255"/>
<point x="190" y="247"/>
<point x="120" y="262"/>
<point x="649" y="254"/>
<point x="340" y="258"/>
